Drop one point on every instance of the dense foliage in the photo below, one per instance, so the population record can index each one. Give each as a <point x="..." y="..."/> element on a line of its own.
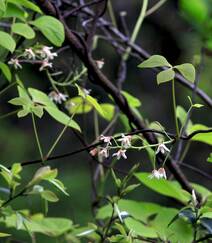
<point x="34" y="35"/>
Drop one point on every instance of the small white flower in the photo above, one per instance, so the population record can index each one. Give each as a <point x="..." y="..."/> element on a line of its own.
<point x="93" y="152"/>
<point x="45" y="64"/>
<point x="162" y="173"/>
<point x="162" y="148"/>
<point x="158" y="174"/>
<point x="100" y="63"/>
<point x="86" y="91"/>
<point x="106" y="139"/>
<point x="120" y="153"/>
<point x="125" y="141"/>
<point x="15" y="63"/>
<point x="57" y="97"/>
<point x="28" y="53"/>
<point x="46" y="53"/>
<point x="104" y="153"/>
<point x="155" y="174"/>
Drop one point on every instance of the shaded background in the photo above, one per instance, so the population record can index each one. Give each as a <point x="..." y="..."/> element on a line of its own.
<point x="165" y="32"/>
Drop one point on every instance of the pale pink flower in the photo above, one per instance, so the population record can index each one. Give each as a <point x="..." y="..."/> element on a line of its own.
<point x="46" y="53"/>
<point x="15" y="63"/>
<point x="106" y="139"/>
<point x="57" y="97"/>
<point x="104" y="153"/>
<point x="158" y="174"/>
<point x="120" y="153"/>
<point x="28" y="53"/>
<point x="125" y="141"/>
<point x="162" y="148"/>
<point x="100" y="63"/>
<point x="162" y="173"/>
<point x="154" y="174"/>
<point x="45" y="64"/>
<point x="93" y="152"/>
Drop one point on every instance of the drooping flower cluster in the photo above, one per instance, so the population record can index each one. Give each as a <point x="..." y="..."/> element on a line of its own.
<point x="57" y="97"/>
<point x="123" y="143"/>
<point x="42" y="55"/>
<point x="121" y="153"/>
<point x="158" y="174"/>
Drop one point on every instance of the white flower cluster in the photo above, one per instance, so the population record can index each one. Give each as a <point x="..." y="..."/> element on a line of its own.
<point x="121" y="153"/>
<point x="158" y="174"/>
<point x="44" y="55"/>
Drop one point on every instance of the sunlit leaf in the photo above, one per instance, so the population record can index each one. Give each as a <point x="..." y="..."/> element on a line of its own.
<point x="165" y="76"/>
<point x="51" y="28"/>
<point x="164" y="187"/>
<point x="155" y="61"/>
<point x="187" y="70"/>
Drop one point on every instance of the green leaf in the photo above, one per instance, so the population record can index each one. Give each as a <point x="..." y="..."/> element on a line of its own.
<point x="182" y="116"/>
<point x="15" y="11"/>
<point x="62" y="118"/>
<point x="26" y="4"/>
<point x="59" y="185"/>
<point x="109" y="111"/>
<point x="210" y="158"/>
<point x="78" y="105"/>
<point x="201" y="137"/>
<point x="95" y="104"/>
<point x="49" y="226"/>
<point x="24" y="30"/>
<point x="165" y="76"/>
<point x="4" y="235"/>
<point x="155" y="61"/>
<point x="16" y="168"/>
<point x="51" y="28"/>
<point x="6" y="71"/>
<point x="196" y="11"/>
<point x="187" y="70"/>
<point x="7" y="41"/>
<point x="49" y="196"/>
<point x="164" y="187"/>
<point x="140" y="229"/>
<point x="133" y="101"/>
<point x="2" y="6"/>
<point x="43" y="173"/>
<point x="41" y="98"/>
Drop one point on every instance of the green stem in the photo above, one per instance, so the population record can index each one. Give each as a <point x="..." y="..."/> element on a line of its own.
<point x="136" y="28"/>
<point x="6" y="88"/>
<point x="111" y="13"/>
<point x="58" y="138"/>
<point x="155" y="7"/>
<point x="36" y="136"/>
<point x="9" y="114"/>
<point x="175" y="108"/>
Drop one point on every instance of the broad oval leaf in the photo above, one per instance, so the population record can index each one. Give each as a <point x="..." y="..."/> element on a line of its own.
<point x="51" y="28"/>
<point x="155" y="61"/>
<point x="7" y="41"/>
<point x="187" y="70"/>
<point x="165" y="76"/>
<point x="27" y="4"/>
<point x="15" y="11"/>
<point x="24" y="30"/>
<point x="201" y="137"/>
<point x="133" y="101"/>
<point x="164" y="187"/>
